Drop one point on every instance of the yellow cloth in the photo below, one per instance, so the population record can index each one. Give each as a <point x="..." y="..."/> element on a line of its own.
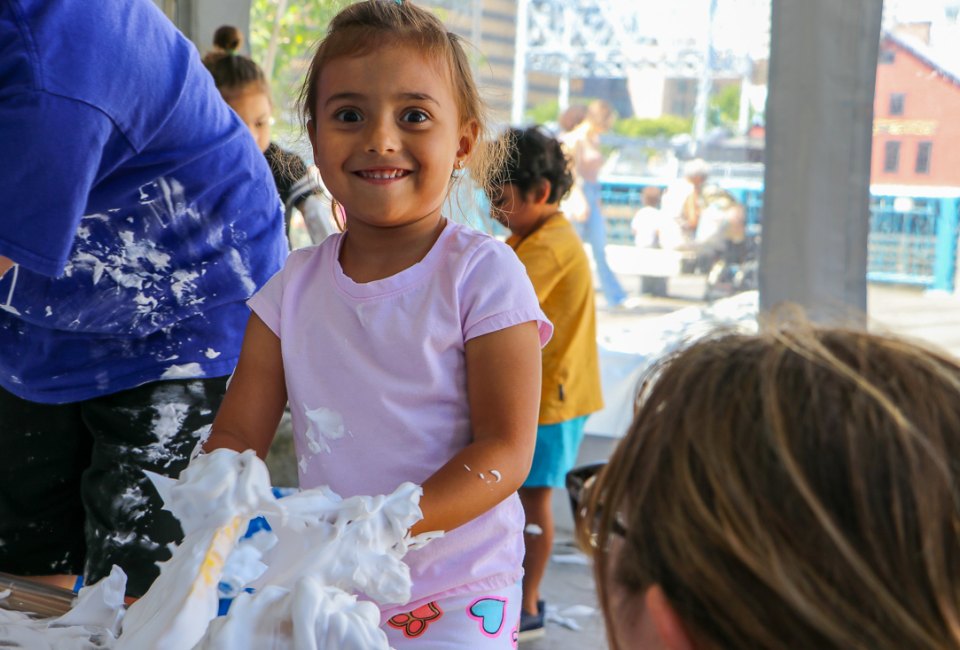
<point x="558" y="267"/>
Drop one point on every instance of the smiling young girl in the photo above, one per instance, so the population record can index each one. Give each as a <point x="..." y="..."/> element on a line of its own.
<point x="408" y="346"/>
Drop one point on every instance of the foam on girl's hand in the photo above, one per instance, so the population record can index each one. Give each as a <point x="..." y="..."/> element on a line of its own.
<point x="214" y="498"/>
<point x="321" y="552"/>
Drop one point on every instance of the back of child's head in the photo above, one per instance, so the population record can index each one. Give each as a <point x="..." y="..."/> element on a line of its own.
<point x="372" y="24"/>
<point x="651" y="196"/>
<point x="235" y="74"/>
<point x="532" y="157"/>
<point x="794" y="489"/>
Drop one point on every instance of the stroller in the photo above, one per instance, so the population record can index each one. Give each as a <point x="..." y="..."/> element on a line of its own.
<point x="734" y="270"/>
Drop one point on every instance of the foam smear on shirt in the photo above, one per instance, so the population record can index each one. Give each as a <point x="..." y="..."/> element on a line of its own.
<point x="318" y="577"/>
<point x="324" y="425"/>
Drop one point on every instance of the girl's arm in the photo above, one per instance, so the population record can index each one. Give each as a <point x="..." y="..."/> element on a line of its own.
<point x="503" y="389"/>
<point x="257" y="393"/>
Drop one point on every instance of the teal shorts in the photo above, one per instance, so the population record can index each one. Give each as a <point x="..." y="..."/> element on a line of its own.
<point x="556" y="453"/>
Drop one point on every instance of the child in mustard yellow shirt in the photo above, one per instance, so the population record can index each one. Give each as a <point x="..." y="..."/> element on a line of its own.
<point x="535" y="177"/>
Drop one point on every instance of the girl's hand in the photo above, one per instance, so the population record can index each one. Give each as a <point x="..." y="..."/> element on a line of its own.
<point x="503" y="388"/>
<point x="256" y="395"/>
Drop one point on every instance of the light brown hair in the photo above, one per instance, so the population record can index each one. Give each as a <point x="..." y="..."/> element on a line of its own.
<point x="362" y="27"/>
<point x="792" y="489"/>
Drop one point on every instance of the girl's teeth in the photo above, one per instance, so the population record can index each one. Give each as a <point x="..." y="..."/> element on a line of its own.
<point x="382" y="175"/>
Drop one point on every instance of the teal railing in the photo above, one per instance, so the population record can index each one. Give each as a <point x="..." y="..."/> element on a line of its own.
<point x="913" y="230"/>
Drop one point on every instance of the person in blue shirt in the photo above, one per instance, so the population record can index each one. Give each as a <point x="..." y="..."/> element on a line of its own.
<point x="138" y="215"/>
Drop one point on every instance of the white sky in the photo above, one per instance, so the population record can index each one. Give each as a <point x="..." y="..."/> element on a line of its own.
<point x="916" y="10"/>
<point x="743" y="26"/>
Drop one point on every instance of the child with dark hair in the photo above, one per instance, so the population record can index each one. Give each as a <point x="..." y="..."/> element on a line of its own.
<point x="244" y="87"/>
<point x="226" y="40"/>
<point x="535" y="177"/>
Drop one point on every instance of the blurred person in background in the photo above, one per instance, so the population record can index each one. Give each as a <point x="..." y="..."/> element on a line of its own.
<point x="244" y="87"/>
<point x="683" y="199"/>
<point x="583" y="145"/>
<point x="226" y="38"/>
<point x="647" y="224"/>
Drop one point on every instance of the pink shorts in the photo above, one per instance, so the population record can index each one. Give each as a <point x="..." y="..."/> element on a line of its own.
<point x="488" y="620"/>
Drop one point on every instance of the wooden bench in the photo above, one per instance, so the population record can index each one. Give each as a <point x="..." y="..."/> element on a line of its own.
<point x="654" y="266"/>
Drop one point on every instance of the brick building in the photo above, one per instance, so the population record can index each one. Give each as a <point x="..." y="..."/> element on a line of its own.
<point x="916" y="132"/>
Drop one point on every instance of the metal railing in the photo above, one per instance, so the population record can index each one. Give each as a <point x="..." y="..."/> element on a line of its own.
<point x="913" y="229"/>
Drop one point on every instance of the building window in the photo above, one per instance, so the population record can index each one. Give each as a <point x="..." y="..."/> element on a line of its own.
<point x="897" y="101"/>
<point x="924" y="149"/>
<point x="891" y="157"/>
<point x="887" y="56"/>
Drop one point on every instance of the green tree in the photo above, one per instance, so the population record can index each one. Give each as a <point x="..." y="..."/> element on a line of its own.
<point x="664" y="126"/>
<point x="282" y="36"/>
<point x="543" y="112"/>
<point x="725" y="106"/>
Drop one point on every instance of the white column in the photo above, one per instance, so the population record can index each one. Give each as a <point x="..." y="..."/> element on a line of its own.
<point x="520" y="64"/>
<point x="563" y="89"/>
<point x="743" y="120"/>
<point x="704" y="85"/>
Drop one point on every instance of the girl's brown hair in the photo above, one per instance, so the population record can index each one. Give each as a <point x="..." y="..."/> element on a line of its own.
<point x="362" y="27"/>
<point x="793" y="489"/>
<point x="227" y="38"/>
<point x="235" y="74"/>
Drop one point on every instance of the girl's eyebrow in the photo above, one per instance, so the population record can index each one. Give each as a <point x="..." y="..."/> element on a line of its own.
<point x="422" y="97"/>
<point x="350" y="96"/>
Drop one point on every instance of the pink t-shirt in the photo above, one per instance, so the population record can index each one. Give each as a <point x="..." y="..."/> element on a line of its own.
<point x="376" y="380"/>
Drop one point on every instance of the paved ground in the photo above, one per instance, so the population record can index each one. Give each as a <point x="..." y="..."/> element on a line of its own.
<point x="568" y="585"/>
<point x="933" y="317"/>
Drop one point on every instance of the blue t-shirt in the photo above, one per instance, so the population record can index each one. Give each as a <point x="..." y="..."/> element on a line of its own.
<point x="138" y="207"/>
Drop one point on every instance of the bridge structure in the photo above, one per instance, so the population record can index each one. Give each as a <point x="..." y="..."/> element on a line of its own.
<point x="599" y="38"/>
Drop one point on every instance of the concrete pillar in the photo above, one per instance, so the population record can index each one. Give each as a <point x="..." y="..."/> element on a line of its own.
<point x="819" y="118"/>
